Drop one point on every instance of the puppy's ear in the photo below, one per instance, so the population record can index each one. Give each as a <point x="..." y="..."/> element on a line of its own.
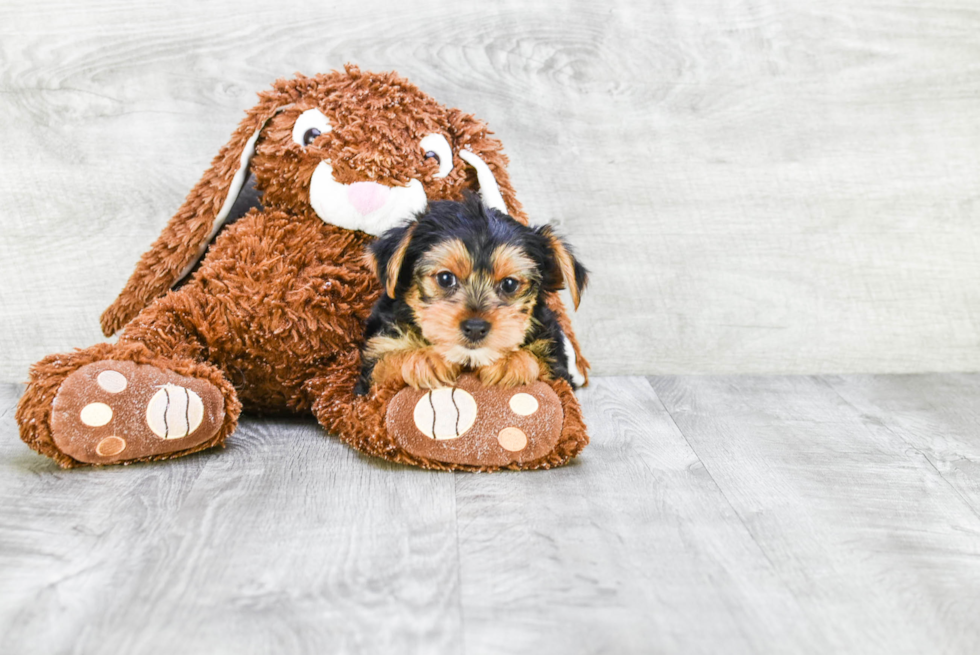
<point x="563" y="269"/>
<point x="387" y="254"/>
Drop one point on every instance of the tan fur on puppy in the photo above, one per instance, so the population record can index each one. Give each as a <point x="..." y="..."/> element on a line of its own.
<point x="467" y="289"/>
<point x="406" y="357"/>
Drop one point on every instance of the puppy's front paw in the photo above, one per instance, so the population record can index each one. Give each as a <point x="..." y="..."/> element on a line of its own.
<point x="426" y="369"/>
<point x="514" y="370"/>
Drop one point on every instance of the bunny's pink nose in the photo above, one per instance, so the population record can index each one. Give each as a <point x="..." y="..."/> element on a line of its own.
<point x="367" y="196"/>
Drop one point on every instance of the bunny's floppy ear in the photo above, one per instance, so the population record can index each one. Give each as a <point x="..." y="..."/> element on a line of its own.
<point x="206" y="208"/>
<point x="485" y="155"/>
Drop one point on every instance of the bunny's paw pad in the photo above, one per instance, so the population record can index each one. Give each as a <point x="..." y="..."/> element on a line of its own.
<point x="475" y="425"/>
<point x="112" y="411"/>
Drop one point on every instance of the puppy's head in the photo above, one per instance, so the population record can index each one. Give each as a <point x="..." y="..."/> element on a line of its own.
<point x="471" y="277"/>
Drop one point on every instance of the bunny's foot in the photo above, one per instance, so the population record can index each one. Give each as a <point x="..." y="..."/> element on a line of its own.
<point x="110" y="411"/>
<point x="475" y="425"/>
<point x="138" y="407"/>
<point x="469" y="426"/>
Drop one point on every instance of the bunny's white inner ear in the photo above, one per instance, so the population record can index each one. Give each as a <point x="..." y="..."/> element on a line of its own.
<point x="489" y="190"/>
<point x="436" y="144"/>
<point x="572" y="362"/>
<point x="234" y="189"/>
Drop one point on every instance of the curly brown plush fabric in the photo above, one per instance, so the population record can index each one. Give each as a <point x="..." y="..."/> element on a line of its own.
<point x="273" y="315"/>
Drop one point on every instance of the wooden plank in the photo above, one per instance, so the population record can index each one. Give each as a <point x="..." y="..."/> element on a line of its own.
<point x="764" y="186"/>
<point x="751" y="515"/>
<point x="287" y="541"/>
<point x="876" y="547"/>
<point x="633" y="549"/>
<point x="70" y="540"/>
<point x="937" y="415"/>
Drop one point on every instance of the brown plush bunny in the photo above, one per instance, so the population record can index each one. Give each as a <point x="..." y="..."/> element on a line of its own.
<point x="269" y="314"/>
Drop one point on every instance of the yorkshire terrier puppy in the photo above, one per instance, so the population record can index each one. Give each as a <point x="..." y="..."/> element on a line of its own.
<point x="464" y="291"/>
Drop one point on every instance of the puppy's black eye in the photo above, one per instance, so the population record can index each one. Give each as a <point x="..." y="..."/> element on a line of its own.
<point x="309" y="135"/>
<point x="446" y="280"/>
<point x="509" y="285"/>
<point x="431" y="154"/>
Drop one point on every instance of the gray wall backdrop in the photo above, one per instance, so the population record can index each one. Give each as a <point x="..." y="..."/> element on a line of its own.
<point x="758" y="186"/>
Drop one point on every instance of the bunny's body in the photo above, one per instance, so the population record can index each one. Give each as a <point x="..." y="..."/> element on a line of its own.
<point x="257" y="291"/>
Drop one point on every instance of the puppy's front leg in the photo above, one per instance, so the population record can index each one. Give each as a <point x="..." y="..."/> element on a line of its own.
<point x="422" y="369"/>
<point x="512" y="370"/>
<point x="426" y="369"/>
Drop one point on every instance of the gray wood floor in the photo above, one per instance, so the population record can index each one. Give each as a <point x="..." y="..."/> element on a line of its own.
<point x="710" y="514"/>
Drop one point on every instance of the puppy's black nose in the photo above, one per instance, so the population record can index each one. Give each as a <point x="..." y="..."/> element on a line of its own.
<point x="475" y="329"/>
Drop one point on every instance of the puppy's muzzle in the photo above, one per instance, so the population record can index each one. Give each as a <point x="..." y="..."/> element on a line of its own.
<point x="475" y="329"/>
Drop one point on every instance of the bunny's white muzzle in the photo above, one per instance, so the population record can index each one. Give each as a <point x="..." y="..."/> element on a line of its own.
<point x="366" y="206"/>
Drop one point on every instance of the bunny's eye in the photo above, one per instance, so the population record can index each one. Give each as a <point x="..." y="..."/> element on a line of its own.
<point x="436" y="147"/>
<point x="310" y="124"/>
<point x="309" y="135"/>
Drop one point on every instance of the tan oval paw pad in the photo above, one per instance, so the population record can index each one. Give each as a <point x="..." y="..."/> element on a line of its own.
<point x="111" y="446"/>
<point x="512" y="439"/>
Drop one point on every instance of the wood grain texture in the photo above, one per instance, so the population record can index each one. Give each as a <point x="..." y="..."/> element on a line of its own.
<point x="285" y="541"/>
<point x="757" y="186"/>
<point x="936" y="415"/>
<point x="724" y="515"/>
<point x="632" y="549"/>
<point x="878" y="549"/>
